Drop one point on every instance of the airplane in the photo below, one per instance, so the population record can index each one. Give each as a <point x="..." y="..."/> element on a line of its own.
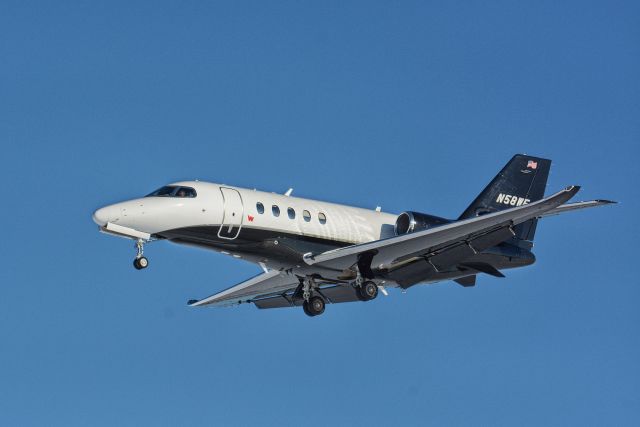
<point x="313" y="253"/>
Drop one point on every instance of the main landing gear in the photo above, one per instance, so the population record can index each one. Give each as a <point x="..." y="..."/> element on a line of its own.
<point x="367" y="291"/>
<point x="312" y="305"/>
<point x="140" y="262"/>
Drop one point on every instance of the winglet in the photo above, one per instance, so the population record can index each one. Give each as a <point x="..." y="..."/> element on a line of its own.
<point x="191" y="302"/>
<point x="573" y="189"/>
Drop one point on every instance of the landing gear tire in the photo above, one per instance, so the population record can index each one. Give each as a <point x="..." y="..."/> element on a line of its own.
<point x="305" y="308"/>
<point x="368" y="291"/>
<point x="313" y="307"/>
<point x="140" y="263"/>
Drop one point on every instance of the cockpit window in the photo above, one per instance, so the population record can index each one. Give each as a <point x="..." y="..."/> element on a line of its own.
<point x="173" y="191"/>
<point x="164" y="191"/>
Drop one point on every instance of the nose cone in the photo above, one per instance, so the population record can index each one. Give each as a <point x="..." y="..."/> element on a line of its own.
<point x="103" y="215"/>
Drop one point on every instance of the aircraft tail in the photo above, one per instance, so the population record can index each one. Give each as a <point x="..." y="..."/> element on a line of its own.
<point x="521" y="181"/>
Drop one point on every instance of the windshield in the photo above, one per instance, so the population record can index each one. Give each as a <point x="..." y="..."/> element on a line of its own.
<point x="173" y="191"/>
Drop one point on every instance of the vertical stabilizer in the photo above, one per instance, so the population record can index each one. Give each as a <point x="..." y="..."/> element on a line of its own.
<point x="521" y="181"/>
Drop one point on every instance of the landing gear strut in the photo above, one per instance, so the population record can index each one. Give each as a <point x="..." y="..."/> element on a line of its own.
<point x="140" y="261"/>
<point x="312" y="305"/>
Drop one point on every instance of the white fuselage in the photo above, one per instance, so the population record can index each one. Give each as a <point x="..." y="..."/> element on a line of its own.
<point x="223" y="216"/>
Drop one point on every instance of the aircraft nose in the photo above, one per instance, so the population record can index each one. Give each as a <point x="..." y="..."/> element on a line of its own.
<point x="103" y="215"/>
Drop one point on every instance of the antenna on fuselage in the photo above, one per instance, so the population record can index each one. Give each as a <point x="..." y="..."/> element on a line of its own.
<point x="289" y="191"/>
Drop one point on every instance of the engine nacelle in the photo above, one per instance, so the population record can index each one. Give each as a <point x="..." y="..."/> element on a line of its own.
<point x="408" y="222"/>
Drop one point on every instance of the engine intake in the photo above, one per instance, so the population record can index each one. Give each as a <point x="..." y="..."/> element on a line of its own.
<point x="408" y="222"/>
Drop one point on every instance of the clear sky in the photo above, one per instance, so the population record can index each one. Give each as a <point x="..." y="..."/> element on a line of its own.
<point x="406" y="105"/>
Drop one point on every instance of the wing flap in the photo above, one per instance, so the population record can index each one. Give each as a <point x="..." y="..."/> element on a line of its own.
<point x="334" y="294"/>
<point x="277" y="301"/>
<point x="421" y="268"/>
<point x="465" y="250"/>
<point x="340" y="293"/>
<point x="410" y="274"/>
<point x="466" y="281"/>
<point x="449" y="256"/>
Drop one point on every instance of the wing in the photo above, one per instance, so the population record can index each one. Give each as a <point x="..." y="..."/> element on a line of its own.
<point x="275" y="289"/>
<point x="266" y="284"/>
<point x="441" y="245"/>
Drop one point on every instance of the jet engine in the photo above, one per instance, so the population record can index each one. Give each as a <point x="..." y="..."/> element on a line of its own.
<point x="408" y="222"/>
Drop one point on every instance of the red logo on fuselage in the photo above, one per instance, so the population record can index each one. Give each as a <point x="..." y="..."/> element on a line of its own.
<point x="250" y="218"/>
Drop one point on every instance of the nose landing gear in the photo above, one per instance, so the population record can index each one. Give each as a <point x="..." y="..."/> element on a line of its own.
<point x="140" y="262"/>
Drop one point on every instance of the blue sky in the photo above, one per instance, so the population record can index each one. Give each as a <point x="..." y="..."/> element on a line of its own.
<point x="411" y="106"/>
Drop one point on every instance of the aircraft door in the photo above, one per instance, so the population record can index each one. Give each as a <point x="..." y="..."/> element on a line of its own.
<point x="233" y="212"/>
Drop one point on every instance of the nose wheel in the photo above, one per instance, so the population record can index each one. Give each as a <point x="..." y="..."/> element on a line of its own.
<point x="140" y="262"/>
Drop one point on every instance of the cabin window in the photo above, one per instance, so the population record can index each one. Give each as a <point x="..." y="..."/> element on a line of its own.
<point x="260" y="208"/>
<point x="322" y="218"/>
<point x="292" y="213"/>
<point x="275" y="210"/>
<point x="306" y="215"/>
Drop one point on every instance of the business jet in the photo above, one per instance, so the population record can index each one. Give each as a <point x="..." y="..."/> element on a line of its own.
<point x="313" y="252"/>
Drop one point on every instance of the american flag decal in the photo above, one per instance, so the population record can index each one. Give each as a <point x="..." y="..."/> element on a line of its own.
<point x="532" y="165"/>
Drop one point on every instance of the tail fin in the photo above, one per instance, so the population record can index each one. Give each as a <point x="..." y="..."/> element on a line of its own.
<point x="521" y="181"/>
